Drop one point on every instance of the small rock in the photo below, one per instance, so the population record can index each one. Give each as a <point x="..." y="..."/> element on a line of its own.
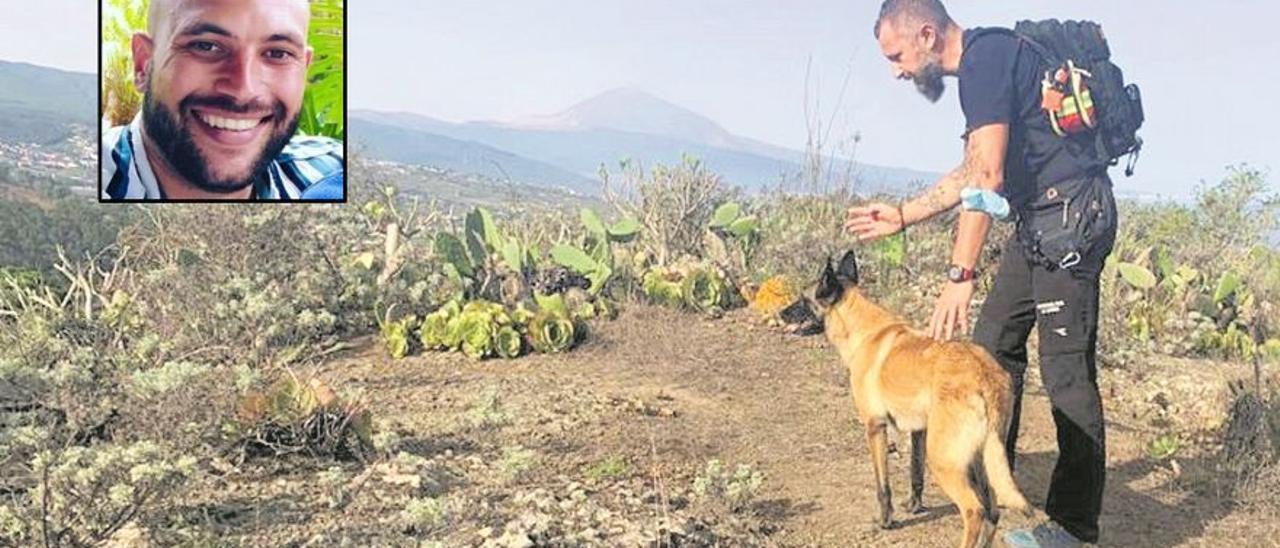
<point x="412" y="480"/>
<point x="515" y="540"/>
<point x="129" y="536"/>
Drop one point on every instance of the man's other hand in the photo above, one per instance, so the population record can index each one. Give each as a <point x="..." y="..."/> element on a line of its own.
<point x="952" y="310"/>
<point x="873" y="221"/>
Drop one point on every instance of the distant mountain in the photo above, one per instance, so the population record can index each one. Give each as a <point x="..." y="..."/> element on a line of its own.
<point x="458" y="191"/>
<point x="39" y="104"/>
<point x="417" y="147"/>
<point x="405" y="120"/>
<point x="583" y="151"/>
<point x="624" y="124"/>
<point x="634" y="111"/>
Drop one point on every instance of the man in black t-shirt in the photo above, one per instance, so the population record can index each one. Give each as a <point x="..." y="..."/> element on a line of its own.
<point x="1060" y="196"/>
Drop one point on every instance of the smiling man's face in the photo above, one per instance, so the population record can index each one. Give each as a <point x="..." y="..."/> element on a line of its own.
<point x="222" y="83"/>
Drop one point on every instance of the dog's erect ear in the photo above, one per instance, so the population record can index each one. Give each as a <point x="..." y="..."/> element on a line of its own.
<point x="829" y="286"/>
<point x="848" y="271"/>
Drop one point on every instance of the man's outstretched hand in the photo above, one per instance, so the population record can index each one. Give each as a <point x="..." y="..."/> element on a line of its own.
<point x="951" y="313"/>
<point x="873" y="221"/>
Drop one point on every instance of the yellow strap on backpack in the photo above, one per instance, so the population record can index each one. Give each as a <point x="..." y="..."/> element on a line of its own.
<point x="1081" y="93"/>
<point x="1067" y="100"/>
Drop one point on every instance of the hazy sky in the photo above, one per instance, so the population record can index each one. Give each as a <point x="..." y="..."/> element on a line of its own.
<point x="1205" y="68"/>
<point x="54" y="33"/>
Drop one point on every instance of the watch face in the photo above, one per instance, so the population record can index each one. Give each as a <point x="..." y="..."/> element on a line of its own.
<point x="956" y="274"/>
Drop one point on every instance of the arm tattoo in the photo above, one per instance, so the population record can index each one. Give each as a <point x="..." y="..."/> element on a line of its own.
<point x="946" y="194"/>
<point x="969" y="170"/>
<point x="935" y="200"/>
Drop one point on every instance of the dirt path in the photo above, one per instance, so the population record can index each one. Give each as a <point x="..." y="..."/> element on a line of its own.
<point x="666" y="392"/>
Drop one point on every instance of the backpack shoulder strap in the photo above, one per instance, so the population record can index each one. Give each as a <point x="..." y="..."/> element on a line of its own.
<point x="1023" y="38"/>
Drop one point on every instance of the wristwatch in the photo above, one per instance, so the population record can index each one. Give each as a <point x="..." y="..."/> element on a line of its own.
<point x="957" y="273"/>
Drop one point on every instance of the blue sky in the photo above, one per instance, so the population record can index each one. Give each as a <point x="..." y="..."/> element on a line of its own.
<point x="1204" y="67"/>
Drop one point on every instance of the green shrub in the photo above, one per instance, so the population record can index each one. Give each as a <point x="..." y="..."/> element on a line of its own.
<point x="733" y="490"/>
<point x="294" y="416"/>
<point x="85" y="494"/>
<point x="610" y="468"/>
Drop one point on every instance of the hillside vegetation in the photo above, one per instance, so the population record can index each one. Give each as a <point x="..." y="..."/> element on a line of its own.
<point x="396" y="371"/>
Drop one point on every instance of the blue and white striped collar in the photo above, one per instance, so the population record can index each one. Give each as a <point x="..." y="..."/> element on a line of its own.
<point x="305" y="161"/>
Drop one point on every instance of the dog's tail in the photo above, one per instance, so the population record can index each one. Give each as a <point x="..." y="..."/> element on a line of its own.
<point x="999" y="399"/>
<point x="997" y="467"/>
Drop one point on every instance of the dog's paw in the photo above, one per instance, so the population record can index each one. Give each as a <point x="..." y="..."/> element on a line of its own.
<point x="889" y="524"/>
<point x="1027" y="511"/>
<point x="914" y="506"/>
<point x="1025" y="515"/>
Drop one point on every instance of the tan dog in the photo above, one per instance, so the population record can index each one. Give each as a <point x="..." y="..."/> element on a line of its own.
<point x="952" y="396"/>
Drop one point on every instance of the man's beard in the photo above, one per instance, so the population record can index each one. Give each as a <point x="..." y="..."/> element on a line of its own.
<point x="929" y="80"/>
<point x="176" y="144"/>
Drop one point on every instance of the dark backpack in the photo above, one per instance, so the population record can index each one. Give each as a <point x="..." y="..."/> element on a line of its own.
<point x="1118" y="106"/>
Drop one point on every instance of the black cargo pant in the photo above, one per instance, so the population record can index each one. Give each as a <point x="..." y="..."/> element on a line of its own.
<point x="1063" y="305"/>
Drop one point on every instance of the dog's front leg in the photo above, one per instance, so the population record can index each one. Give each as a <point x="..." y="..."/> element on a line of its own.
<point x="878" y="439"/>
<point x="915" y="504"/>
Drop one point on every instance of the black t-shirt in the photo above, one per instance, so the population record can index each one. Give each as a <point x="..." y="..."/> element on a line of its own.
<point x="1000" y="83"/>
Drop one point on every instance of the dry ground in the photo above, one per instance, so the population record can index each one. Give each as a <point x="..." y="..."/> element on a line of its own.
<point x="515" y="449"/>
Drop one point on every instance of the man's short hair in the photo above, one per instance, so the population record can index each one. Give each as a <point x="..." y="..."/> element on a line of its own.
<point x="931" y="12"/>
<point x="153" y="14"/>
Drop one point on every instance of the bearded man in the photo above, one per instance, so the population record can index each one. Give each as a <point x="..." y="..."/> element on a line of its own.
<point x="222" y="84"/>
<point x="1059" y="193"/>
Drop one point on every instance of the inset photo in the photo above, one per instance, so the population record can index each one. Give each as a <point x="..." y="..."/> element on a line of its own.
<point x="222" y="100"/>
